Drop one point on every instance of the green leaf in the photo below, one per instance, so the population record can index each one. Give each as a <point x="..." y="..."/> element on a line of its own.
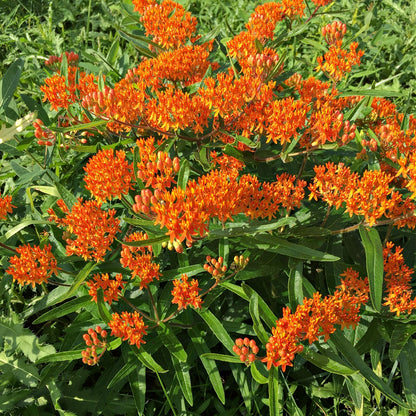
<point x="407" y="360"/>
<point x="137" y="381"/>
<point x="61" y="356"/>
<point x="221" y="357"/>
<point x="210" y="366"/>
<point x="144" y="243"/>
<point x="24" y="372"/>
<point x="20" y="227"/>
<point x="9" y="82"/>
<point x="217" y="329"/>
<point x="295" y="286"/>
<point x="147" y="360"/>
<point x="399" y="338"/>
<point x="332" y="364"/>
<point x="279" y="245"/>
<point x="254" y="313"/>
<point x="102" y="308"/>
<point x="266" y="313"/>
<point x="259" y="372"/>
<point x="370" y="338"/>
<point x="374" y="263"/>
<point x="274" y="403"/>
<point x="65" y="309"/>
<point x="358" y="382"/>
<point x="78" y="281"/>
<point x="184" y="379"/>
<point x="124" y="371"/>
<point x="171" y="342"/>
<point x="355" y="360"/>
<point x="183" y="174"/>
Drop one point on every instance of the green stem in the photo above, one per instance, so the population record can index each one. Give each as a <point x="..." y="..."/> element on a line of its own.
<point x="165" y="393"/>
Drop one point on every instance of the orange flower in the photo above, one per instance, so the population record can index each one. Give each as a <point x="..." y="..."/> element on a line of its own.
<point x="34" y="265"/>
<point x="337" y="62"/>
<point x="108" y="175"/>
<point x="91" y="229"/>
<point x="5" y="206"/>
<point x="168" y="23"/>
<point x="314" y="318"/>
<point x="89" y="355"/>
<point x="186" y="293"/>
<point x="398" y="278"/>
<point x="139" y="260"/>
<point x="128" y="326"/>
<point x="111" y="287"/>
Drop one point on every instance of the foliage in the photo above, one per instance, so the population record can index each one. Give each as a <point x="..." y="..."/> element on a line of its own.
<point x="207" y="225"/>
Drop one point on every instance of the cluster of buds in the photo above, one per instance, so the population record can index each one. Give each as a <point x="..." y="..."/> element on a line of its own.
<point x="239" y="263"/>
<point x="246" y="349"/>
<point x="349" y="132"/>
<point x="97" y="101"/>
<point x="45" y="136"/>
<point x="54" y="61"/>
<point x="145" y="199"/>
<point x="370" y="144"/>
<point x="334" y="32"/>
<point x="215" y="267"/>
<point x="89" y="355"/>
<point x="173" y="245"/>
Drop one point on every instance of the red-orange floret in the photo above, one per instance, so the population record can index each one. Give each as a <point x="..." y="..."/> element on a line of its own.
<point x="5" y="206"/>
<point x="112" y="288"/>
<point x="128" y="326"/>
<point x="108" y="175"/>
<point x="186" y="293"/>
<point x="34" y="265"/>
<point x="91" y="229"/>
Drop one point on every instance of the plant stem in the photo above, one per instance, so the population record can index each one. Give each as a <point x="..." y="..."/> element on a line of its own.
<point x="137" y="310"/>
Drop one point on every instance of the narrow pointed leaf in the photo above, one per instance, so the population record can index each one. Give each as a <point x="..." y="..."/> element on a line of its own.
<point x="171" y="342"/>
<point x="407" y="360"/>
<point x="184" y="379"/>
<point x="374" y="263"/>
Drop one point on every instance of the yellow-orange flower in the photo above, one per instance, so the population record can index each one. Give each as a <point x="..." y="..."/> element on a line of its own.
<point x="91" y="230"/>
<point x="128" y="326"/>
<point x="34" y="265"/>
<point x="5" y="206"/>
<point x="111" y="287"/>
<point x="186" y="293"/>
<point x="108" y="175"/>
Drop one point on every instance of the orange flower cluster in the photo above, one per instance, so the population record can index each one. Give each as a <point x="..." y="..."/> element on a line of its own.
<point x="219" y="194"/>
<point x="109" y="175"/>
<point x="128" y="326"/>
<point x="90" y="229"/>
<point x="338" y="62"/>
<point x="139" y="260"/>
<point x="186" y="293"/>
<point x="5" y="206"/>
<point x="398" y="278"/>
<point x="369" y="195"/>
<point x="34" y="265"/>
<point x="215" y="267"/>
<point x="54" y="61"/>
<point x="334" y="32"/>
<point x="61" y="92"/>
<point x="168" y="23"/>
<point x="89" y="355"/>
<point x="314" y="318"/>
<point x="111" y="287"/>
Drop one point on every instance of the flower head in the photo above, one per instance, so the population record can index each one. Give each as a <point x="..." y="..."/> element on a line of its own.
<point x="5" y="206"/>
<point x="186" y="293"/>
<point x="111" y="287"/>
<point x="91" y="229"/>
<point x="109" y="175"/>
<point x="34" y="265"/>
<point x="128" y="326"/>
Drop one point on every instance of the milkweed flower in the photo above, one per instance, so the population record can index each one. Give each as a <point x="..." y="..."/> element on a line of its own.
<point x="89" y="355"/>
<point x="128" y="326"/>
<point x="91" y="229"/>
<point x="139" y="260"/>
<point x="185" y="293"/>
<point x="111" y="287"/>
<point x="316" y="317"/>
<point x="5" y="206"/>
<point x="33" y="265"/>
<point x="108" y="175"/>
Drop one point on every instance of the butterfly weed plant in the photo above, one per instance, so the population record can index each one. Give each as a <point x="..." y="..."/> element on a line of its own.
<point x="227" y="224"/>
